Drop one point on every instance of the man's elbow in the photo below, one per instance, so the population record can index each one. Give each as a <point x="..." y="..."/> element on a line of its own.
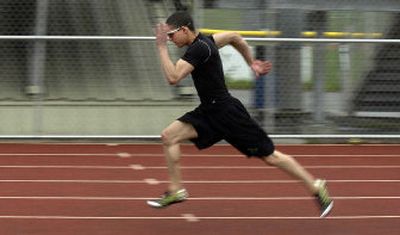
<point x="172" y="81"/>
<point x="235" y="37"/>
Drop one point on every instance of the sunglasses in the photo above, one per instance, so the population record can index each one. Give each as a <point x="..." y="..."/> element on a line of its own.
<point x="172" y="32"/>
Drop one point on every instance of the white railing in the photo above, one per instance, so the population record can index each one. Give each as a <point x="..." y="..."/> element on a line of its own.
<point x="149" y="38"/>
<point x="350" y="137"/>
<point x="250" y="39"/>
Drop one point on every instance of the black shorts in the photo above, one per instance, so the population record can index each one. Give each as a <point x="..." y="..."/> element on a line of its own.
<point x="229" y="121"/>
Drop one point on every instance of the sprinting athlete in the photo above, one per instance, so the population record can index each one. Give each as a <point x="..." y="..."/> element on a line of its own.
<point x="219" y="115"/>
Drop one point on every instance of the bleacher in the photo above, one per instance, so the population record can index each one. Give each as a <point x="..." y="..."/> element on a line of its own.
<point x="13" y="54"/>
<point x="379" y="94"/>
<point x="84" y="70"/>
<point x="376" y="104"/>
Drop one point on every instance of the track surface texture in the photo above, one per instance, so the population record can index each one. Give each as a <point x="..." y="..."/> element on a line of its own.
<point x="65" y="188"/>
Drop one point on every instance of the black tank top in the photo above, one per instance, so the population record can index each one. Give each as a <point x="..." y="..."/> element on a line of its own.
<point x="208" y="74"/>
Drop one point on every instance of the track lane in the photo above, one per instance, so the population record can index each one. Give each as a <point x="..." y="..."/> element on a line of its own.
<point x="112" y="159"/>
<point x="199" y="208"/>
<point x="233" y="224"/>
<point x="205" y="190"/>
<point x="195" y="174"/>
<point x="203" y="227"/>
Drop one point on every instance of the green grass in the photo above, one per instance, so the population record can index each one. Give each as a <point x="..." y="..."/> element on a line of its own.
<point x="229" y="19"/>
<point x="337" y="21"/>
<point x="239" y="84"/>
<point x="332" y="70"/>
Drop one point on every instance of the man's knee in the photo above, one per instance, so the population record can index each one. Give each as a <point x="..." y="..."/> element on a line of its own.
<point x="167" y="137"/>
<point x="275" y="159"/>
<point x="177" y="132"/>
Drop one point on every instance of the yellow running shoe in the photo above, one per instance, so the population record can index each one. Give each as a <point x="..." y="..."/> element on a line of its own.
<point x="169" y="198"/>
<point x="323" y="199"/>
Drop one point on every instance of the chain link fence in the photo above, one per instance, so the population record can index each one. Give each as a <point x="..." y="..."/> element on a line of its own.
<point x="321" y="87"/>
<point x="335" y="66"/>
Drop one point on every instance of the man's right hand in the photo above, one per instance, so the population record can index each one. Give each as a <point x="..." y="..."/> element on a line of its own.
<point x="161" y="34"/>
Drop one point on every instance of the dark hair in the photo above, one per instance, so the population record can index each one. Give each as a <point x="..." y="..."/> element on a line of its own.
<point x="181" y="18"/>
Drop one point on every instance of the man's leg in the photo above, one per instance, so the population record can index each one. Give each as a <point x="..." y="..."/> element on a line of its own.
<point x="316" y="187"/>
<point x="172" y="136"/>
<point x="291" y="166"/>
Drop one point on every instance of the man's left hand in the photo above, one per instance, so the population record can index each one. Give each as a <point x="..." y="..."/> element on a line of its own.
<point x="261" y="67"/>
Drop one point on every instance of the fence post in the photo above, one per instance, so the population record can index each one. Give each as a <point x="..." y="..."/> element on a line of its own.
<point x="317" y="21"/>
<point x="289" y="114"/>
<point x="37" y="65"/>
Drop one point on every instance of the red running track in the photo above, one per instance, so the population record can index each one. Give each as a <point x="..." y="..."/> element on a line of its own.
<point x="102" y="189"/>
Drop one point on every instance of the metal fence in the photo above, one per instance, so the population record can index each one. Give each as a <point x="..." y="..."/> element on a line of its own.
<point x="90" y="68"/>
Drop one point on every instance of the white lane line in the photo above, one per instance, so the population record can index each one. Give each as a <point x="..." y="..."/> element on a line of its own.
<point x="112" y="144"/>
<point x="89" y="198"/>
<point x="155" y="181"/>
<point x="350" y="217"/>
<point x="124" y="155"/>
<point x="271" y="167"/>
<point x="56" y="154"/>
<point x="137" y="167"/>
<point x="65" y="167"/>
<point x="151" y="181"/>
<point x="192" y="155"/>
<point x="280" y="181"/>
<point x="190" y="218"/>
<point x="79" y="181"/>
<point x="141" y="167"/>
<point x="293" y="198"/>
<point x="62" y="217"/>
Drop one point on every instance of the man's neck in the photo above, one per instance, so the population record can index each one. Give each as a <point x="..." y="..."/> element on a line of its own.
<point x="192" y="37"/>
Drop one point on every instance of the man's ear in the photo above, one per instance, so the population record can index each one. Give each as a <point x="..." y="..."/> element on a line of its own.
<point x="185" y="28"/>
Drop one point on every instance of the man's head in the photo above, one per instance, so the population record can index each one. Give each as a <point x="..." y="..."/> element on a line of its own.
<point x="181" y="28"/>
<point x="180" y="19"/>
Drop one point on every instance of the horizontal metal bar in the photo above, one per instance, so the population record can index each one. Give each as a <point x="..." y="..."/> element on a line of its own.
<point x="305" y="34"/>
<point x="62" y="37"/>
<point x="337" y="136"/>
<point x="146" y="38"/>
<point x="323" y="40"/>
<point x="148" y="137"/>
<point x="332" y="5"/>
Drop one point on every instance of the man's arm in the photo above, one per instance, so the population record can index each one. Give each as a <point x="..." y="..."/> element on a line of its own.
<point x="236" y="40"/>
<point x="173" y="72"/>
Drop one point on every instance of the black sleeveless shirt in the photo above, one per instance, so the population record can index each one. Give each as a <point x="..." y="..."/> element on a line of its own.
<point x="208" y="74"/>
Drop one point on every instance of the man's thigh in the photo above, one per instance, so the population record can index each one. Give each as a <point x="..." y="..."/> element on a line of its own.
<point x="179" y="131"/>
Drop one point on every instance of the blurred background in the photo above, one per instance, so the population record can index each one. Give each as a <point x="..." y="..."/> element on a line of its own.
<point x="349" y="85"/>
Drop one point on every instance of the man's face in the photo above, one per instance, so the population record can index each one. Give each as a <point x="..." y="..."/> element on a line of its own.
<point x="177" y="35"/>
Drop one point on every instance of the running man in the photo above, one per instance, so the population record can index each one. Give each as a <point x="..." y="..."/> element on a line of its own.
<point x="219" y="115"/>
